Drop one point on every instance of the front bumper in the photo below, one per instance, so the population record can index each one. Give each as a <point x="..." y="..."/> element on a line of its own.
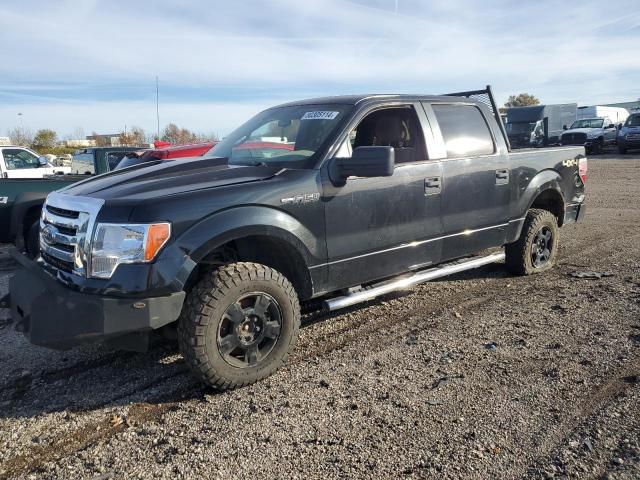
<point x="52" y="315"/>
<point x="633" y="142"/>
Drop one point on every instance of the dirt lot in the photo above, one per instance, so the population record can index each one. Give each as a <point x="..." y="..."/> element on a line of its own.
<point x="482" y="375"/>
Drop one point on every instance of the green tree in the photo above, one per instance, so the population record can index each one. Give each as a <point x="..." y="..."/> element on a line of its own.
<point x="522" y="100"/>
<point x="45" y="138"/>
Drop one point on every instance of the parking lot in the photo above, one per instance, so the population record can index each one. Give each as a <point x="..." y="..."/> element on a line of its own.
<point x="482" y="374"/>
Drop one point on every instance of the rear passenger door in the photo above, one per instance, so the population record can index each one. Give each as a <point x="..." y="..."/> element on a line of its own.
<point x="476" y="179"/>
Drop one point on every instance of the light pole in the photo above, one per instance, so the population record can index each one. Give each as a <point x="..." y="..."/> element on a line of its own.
<point x="20" y="117"/>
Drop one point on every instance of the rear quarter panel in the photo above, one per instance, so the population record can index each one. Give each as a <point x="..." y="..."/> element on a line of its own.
<point x="534" y="171"/>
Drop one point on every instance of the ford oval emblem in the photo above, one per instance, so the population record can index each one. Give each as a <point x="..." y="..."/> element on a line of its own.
<point x="49" y="234"/>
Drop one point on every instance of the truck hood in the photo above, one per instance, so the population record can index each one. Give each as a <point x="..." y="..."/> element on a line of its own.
<point x="166" y="177"/>
<point x="588" y="131"/>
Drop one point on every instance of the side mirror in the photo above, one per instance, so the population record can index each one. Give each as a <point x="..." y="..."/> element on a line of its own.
<point x="619" y="127"/>
<point x="43" y="161"/>
<point x="364" y="162"/>
<point x="611" y="125"/>
<point x="564" y="127"/>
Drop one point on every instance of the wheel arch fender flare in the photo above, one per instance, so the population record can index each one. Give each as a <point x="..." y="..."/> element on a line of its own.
<point x="546" y="183"/>
<point x="24" y="202"/>
<point x="240" y="222"/>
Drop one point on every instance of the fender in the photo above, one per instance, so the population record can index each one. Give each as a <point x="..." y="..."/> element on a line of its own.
<point x="548" y="179"/>
<point x="22" y="204"/>
<point x="227" y="225"/>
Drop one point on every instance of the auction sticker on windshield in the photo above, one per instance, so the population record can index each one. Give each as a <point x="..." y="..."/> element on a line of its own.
<point x="319" y="115"/>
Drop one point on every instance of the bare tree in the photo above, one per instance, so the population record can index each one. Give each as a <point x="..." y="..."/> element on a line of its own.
<point x="77" y="134"/>
<point x="138" y="135"/>
<point x="100" y="141"/>
<point x="178" y="136"/>
<point x="20" y="136"/>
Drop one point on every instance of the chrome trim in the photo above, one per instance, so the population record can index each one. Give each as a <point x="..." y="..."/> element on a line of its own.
<point x="56" y="252"/>
<point x="416" y="243"/>
<point x="88" y="209"/>
<point x="415" y="279"/>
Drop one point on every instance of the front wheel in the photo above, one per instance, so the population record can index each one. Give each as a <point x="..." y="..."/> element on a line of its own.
<point x="239" y="324"/>
<point x="536" y="249"/>
<point x="598" y="146"/>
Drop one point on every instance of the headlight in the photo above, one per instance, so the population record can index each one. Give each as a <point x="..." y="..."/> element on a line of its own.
<point x="114" y="244"/>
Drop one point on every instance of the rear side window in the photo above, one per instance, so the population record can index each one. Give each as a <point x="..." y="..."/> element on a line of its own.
<point x="464" y="130"/>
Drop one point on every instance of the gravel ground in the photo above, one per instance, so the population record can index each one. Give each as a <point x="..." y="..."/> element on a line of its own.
<point x="481" y="375"/>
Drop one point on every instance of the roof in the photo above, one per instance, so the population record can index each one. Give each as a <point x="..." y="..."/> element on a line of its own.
<point x="356" y="99"/>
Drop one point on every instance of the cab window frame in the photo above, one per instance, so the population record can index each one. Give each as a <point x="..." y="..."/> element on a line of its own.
<point x="424" y="130"/>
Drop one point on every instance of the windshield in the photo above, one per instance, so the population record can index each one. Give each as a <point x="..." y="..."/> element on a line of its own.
<point x="633" y="121"/>
<point x="291" y="136"/>
<point x="588" y="123"/>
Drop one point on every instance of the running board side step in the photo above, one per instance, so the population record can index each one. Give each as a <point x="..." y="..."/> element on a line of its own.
<point x="415" y="279"/>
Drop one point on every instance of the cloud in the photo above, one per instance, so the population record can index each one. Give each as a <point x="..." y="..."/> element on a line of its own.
<point x="249" y="53"/>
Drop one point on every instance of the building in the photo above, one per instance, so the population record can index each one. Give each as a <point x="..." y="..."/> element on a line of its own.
<point x="79" y="143"/>
<point x="105" y="140"/>
<point x="633" y="107"/>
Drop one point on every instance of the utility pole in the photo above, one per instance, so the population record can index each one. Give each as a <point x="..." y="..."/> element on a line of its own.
<point x="158" y="107"/>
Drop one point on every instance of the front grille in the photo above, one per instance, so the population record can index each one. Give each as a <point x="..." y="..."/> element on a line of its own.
<point x="66" y="226"/>
<point x="62" y="212"/>
<point x="56" y="263"/>
<point x="574" y="138"/>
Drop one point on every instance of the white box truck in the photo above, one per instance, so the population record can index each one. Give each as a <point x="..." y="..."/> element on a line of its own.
<point x="617" y="115"/>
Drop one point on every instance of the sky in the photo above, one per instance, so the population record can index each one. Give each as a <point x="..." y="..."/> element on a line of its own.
<point x="92" y="64"/>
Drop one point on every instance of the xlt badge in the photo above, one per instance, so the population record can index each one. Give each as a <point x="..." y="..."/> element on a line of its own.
<point x="306" y="198"/>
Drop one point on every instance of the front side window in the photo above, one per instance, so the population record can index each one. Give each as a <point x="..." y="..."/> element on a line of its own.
<point x="16" y="159"/>
<point x="396" y="127"/>
<point x="287" y="136"/>
<point x="464" y="130"/>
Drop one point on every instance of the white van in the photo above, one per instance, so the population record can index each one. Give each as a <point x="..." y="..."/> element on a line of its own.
<point x="20" y="162"/>
<point x="617" y="115"/>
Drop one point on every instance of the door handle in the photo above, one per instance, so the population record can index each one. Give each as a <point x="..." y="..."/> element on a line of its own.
<point x="502" y="176"/>
<point x="432" y="185"/>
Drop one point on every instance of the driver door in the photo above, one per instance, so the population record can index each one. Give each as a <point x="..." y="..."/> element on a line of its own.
<point x="21" y="163"/>
<point x="610" y="131"/>
<point x="382" y="226"/>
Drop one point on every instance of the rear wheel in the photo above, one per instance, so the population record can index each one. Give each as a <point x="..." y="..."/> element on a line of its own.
<point x="239" y="324"/>
<point x="536" y="249"/>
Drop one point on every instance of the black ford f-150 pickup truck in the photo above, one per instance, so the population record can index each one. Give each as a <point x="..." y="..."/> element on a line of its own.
<point x="351" y="197"/>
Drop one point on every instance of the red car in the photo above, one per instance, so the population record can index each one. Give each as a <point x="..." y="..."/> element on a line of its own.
<point x="166" y="151"/>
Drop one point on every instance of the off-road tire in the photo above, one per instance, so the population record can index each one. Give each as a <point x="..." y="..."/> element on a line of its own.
<point x="203" y="313"/>
<point x="518" y="254"/>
